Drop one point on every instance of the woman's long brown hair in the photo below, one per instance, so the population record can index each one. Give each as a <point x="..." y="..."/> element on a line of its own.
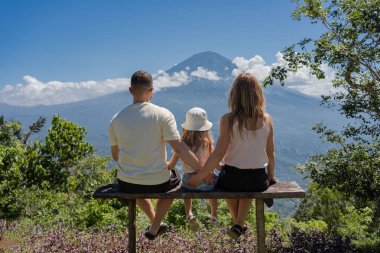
<point x="246" y="102"/>
<point x="197" y="139"/>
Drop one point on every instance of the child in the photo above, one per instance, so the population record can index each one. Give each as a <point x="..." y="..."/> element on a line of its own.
<point x="196" y="134"/>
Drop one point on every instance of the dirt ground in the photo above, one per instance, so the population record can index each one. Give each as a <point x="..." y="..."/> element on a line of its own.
<point x="7" y="244"/>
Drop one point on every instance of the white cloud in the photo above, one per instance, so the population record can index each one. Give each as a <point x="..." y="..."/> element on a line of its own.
<point x="35" y="92"/>
<point x="202" y="72"/>
<point x="255" y="66"/>
<point x="302" y="80"/>
<point x="163" y="79"/>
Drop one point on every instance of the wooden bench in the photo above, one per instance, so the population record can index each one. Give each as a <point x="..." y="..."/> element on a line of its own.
<point x="279" y="190"/>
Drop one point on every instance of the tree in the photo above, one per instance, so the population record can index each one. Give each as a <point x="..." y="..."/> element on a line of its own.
<point x="13" y="129"/>
<point x="350" y="46"/>
<point x="50" y="163"/>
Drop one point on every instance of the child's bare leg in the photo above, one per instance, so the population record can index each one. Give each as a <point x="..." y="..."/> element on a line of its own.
<point x="188" y="209"/>
<point x="147" y="207"/>
<point x="233" y="205"/>
<point x="161" y="210"/>
<point x="213" y="207"/>
<point x="243" y="210"/>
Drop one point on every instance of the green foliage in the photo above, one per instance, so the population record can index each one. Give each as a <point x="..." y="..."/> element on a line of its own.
<point x="310" y="225"/>
<point x="355" y="223"/>
<point x="11" y="159"/>
<point x="48" y="208"/>
<point x="354" y="170"/>
<point x="349" y="174"/>
<point x="101" y="214"/>
<point x="89" y="174"/>
<point x="12" y="130"/>
<point x="350" y="45"/>
<point x="339" y="215"/>
<point x="176" y="214"/>
<point x="271" y="220"/>
<point x="49" y="164"/>
<point x="322" y="204"/>
<point x="52" y="181"/>
<point x="9" y="132"/>
<point x="200" y="208"/>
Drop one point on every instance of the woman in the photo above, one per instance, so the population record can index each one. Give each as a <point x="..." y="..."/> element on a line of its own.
<point x="247" y="145"/>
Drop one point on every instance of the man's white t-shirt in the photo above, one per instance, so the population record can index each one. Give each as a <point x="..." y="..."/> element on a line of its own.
<point x="140" y="131"/>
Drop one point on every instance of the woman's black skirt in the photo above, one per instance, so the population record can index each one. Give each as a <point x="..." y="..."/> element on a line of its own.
<point x="243" y="180"/>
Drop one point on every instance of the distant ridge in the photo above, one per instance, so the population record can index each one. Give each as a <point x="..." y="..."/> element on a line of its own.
<point x="210" y="60"/>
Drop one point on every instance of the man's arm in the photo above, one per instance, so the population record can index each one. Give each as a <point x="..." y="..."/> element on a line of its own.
<point x="173" y="161"/>
<point x="115" y="152"/>
<point x="184" y="152"/>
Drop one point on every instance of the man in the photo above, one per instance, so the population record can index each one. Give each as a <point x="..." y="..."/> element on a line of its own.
<point x="137" y="136"/>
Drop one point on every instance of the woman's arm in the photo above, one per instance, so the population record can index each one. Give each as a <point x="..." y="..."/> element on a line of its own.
<point x="216" y="156"/>
<point x="173" y="161"/>
<point x="270" y="152"/>
<point x="220" y="165"/>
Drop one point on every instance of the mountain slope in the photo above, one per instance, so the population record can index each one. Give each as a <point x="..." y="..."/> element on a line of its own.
<point x="210" y="60"/>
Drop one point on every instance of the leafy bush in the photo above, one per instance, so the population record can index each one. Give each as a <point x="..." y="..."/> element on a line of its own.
<point x="49" y="164"/>
<point x="89" y="174"/>
<point x="49" y="180"/>
<point x="322" y="204"/>
<point x="47" y="208"/>
<point x="340" y="215"/>
<point x="11" y="158"/>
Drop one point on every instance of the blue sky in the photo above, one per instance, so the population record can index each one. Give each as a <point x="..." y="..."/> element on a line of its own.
<point x="96" y="39"/>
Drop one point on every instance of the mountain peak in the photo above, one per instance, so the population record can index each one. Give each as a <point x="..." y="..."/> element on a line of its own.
<point x="209" y="60"/>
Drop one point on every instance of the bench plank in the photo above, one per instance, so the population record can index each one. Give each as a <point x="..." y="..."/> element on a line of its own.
<point x="276" y="191"/>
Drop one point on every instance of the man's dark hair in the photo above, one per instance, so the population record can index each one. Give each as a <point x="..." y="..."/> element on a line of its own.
<point x="141" y="77"/>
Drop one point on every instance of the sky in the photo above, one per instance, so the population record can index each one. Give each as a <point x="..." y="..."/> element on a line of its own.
<point x="95" y="43"/>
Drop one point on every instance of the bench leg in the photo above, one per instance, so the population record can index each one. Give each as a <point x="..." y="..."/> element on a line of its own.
<point x="132" y="226"/>
<point x="260" y="225"/>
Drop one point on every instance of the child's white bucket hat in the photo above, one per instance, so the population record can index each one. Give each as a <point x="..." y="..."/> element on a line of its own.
<point x="196" y="120"/>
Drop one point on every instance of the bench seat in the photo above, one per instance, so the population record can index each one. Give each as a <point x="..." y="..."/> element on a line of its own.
<point x="279" y="190"/>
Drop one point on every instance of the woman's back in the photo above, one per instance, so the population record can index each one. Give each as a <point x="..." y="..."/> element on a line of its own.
<point x="247" y="148"/>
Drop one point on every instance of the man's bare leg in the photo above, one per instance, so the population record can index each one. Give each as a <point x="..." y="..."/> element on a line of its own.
<point x="147" y="207"/>
<point x="161" y="210"/>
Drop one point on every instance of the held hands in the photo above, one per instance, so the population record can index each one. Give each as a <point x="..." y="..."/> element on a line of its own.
<point x="210" y="179"/>
<point x="194" y="181"/>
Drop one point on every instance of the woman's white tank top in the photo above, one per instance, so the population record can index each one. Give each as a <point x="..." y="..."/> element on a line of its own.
<point x="248" y="150"/>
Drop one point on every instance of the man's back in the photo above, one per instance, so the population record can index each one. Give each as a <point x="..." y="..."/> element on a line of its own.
<point x="140" y="131"/>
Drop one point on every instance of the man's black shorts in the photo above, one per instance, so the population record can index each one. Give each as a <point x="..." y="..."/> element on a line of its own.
<point x="173" y="182"/>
